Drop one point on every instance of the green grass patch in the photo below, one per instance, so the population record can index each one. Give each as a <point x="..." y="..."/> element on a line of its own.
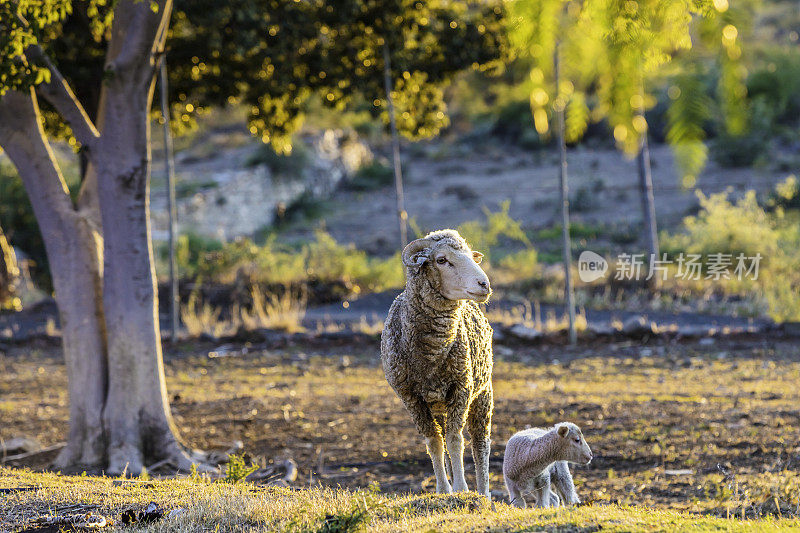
<point x="185" y="189"/>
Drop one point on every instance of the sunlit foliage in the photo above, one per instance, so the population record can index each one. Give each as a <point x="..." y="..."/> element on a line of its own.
<point x="610" y="51"/>
<point x="272" y="56"/>
<point x="275" y="55"/>
<point x="744" y="227"/>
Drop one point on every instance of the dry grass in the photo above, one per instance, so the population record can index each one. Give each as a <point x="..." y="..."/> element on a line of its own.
<point x="368" y="326"/>
<point x="660" y="417"/>
<point x="284" y="311"/>
<point x="275" y="311"/>
<point x="205" y="319"/>
<point x="244" y="507"/>
<point x="531" y="316"/>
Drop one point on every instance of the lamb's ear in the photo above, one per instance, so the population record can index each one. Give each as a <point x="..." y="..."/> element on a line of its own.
<point x="413" y="255"/>
<point x="562" y="431"/>
<point x="478" y="257"/>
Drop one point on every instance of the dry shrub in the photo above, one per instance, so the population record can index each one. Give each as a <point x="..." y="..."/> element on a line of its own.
<point x="283" y="311"/>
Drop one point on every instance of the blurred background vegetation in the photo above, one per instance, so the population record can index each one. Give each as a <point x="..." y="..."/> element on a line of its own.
<point x="489" y="114"/>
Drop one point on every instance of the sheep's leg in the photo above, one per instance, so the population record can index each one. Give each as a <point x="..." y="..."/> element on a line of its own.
<point x="454" y="438"/>
<point x="448" y="467"/>
<point x="555" y="501"/>
<point x="455" y="448"/>
<point x="479" y="424"/>
<point x="421" y="414"/>
<point x="562" y="482"/>
<point x="435" y="446"/>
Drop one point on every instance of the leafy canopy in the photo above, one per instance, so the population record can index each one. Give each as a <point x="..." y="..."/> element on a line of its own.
<point x="270" y="55"/>
<point x="274" y="55"/>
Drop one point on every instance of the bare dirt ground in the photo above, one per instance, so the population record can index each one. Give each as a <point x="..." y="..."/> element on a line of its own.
<point x="700" y="426"/>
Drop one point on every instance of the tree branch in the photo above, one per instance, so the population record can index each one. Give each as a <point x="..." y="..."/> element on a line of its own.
<point x="23" y="139"/>
<point x="58" y="92"/>
<point x="137" y="34"/>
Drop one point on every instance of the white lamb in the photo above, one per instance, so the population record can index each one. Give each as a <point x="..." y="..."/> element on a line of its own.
<point x="536" y="458"/>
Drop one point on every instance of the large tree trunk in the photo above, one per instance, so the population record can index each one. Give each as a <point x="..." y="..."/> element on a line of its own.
<point x="74" y="250"/>
<point x="105" y="288"/>
<point x="137" y="415"/>
<point x="137" y="411"/>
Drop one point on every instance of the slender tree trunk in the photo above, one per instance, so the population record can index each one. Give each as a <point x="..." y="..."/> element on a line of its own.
<point x="74" y="250"/>
<point x="569" y="294"/>
<point x="648" y="205"/>
<point x="402" y="215"/>
<point x="169" y="163"/>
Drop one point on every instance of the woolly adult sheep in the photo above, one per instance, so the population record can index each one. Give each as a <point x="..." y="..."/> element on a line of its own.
<point x="537" y="458"/>
<point x="436" y="349"/>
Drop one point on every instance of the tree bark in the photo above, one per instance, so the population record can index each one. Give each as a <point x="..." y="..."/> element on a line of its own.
<point x="74" y="250"/>
<point x="137" y="414"/>
<point x="402" y="215"/>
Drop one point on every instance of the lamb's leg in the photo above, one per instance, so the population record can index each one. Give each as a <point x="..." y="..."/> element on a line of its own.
<point x="514" y="494"/>
<point x="542" y="490"/>
<point x="421" y="414"/>
<point x="479" y="424"/>
<point x="448" y="467"/>
<point x="454" y="437"/>
<point x="563" y="484"/>
<point x="555" y="501"/>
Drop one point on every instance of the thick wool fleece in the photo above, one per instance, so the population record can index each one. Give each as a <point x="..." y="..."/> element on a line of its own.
<point x="534" y="459"/>
<point x="437" y="356"/>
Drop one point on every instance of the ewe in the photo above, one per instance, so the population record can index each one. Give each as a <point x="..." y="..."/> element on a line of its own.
<point x="537" y="457"/>
<point x="436" y="349"/>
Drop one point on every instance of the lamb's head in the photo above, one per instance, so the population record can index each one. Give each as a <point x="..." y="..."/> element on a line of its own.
<point x="452" y="267"/>
<point x="574" y="446"/>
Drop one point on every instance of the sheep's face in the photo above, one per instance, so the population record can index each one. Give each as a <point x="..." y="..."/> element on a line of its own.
<point x="461" y="276"/>
<point x="576" y="450"/>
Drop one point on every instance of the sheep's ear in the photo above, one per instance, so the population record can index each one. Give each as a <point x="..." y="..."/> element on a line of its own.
<point x="478" y="257"/>
<point x="562" y="431"/>
<point x="416" y="253"/>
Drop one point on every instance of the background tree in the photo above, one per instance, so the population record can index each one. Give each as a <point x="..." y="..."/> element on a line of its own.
<point x="614" y="49"/>
<point x="397" y="54"/>
<point x="638" y="40"/>
<point x="538" y="31"/>
<point x="269" y="55"/>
